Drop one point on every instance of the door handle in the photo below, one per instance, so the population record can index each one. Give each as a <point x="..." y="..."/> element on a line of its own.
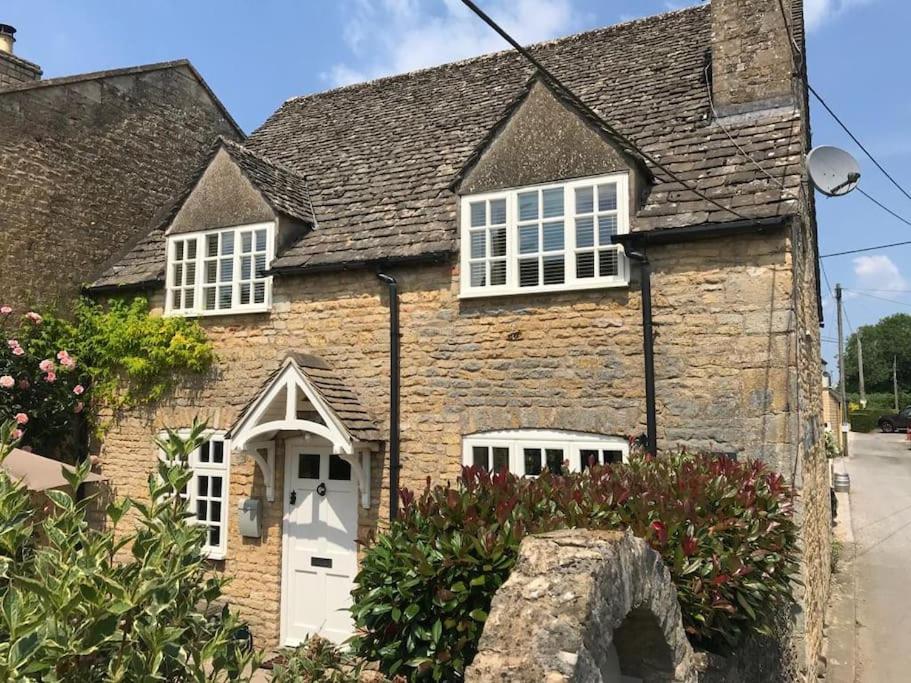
<point x="293" y="498"/>
<point x="321" y="489"/>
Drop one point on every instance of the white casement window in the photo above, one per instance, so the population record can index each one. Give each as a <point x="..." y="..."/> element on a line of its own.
<point x="207" y="492"/>
<point x="545" y="238"/>
<point x="529" y="452"/>
<point x="220" y="271"/>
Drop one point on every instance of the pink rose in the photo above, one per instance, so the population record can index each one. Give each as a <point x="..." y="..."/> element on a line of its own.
<point x="78" y="389"/>
<point x="7" y="382"/>
<point x="5" y="310"/>
<point x="18" y="351"/>
<point x="34" y="317"/>
<point x="66" y="360"/>
<point x="24" y="383"/>
<point x="21" y="418"/>
<point x="16" y="434"/>
<point x="78" y="407"/>
<point x="12" y="343"/>
<point x="46" y="365"/>
<point x="50" y="377"/>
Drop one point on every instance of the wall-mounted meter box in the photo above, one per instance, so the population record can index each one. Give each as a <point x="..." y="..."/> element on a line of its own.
<point x="249" y="518"/>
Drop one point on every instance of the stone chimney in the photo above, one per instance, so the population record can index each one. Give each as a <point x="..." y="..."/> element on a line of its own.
<point x="14" y="70"/>
<point x="751" y="53"/>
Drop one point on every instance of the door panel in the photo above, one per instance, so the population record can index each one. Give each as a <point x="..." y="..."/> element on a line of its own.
<point x="320" y="552"/>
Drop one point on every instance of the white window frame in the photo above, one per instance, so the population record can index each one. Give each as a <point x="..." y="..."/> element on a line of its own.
<point x="516" y="440"/>
<point x="223" y="469"/>
<point x="570" y="249"/>
<point x="199" y="285"/>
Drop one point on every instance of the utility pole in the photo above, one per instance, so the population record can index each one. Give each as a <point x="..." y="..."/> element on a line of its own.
<point x="895" y="381"/>
<point x="841" y="365"/>
<point x="860" y="371"/>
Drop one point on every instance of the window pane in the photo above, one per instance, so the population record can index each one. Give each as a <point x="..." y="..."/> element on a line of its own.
<point x="227" y="243"/>
<point x="308" y="466"/>
<point x="214" y="536"/>
<point x="339" y="468"/>
<point x="224" y="297"/>
<point x="218" y="451"/>
<point x="190" y="274"/>
<point x="246" y="242"/>
<point x="500" y="458"/>
<point x="201" y="511"/>
<point x="215" y="511"/>
<point x="532" y="458"/>
<point x="554" y="270"/>
<point x="191" y="250"/>
<point x="259" y="292"/>
<point x="497" y="211"/>
<point x="175" y="298"/>
<point x="211" y="245"/>
<point x="479" y="456"/>
<point x="246" y="267"/>
<point x="177" y="272"/>
<point x="259" y="262"/>
<point x="585" y="232"/>
<point x="210" y="298"/>
<point x="613" y="457"/>
<point x="528" y="206"/>
<point x="211" y="270"/>
<point x="188" y="298"/>
<point x="204" y="452"/>
<point x="555" y="460"/>
<point x="478" y="217"/>
<point x="585" y="265"/>
<point x="215" y="491"/>
<point x="584" y="200"/>
<point x="607" y="226"/>
<point x="498" y="273"/>
<point x="226" y="269"/>
<point x="553" y="236"/>
<point x="245" y="294"/>
<point x="202" y="486"/>
<point x="588" y="457"/>
<point x="478" y="274"/>
<point x="607" y="197"/>
<point x="528" y="272"/>
<point x="498" y="242"/>
<point x="479" y="244"/>
<point x="178" y="251"/>
<point x="260" y="240"/>
<point x="607" y="263"/>
<point x="528" y="239"/>
<point x="553" y="202"/>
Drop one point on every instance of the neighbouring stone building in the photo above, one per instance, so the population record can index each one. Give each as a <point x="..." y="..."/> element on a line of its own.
<point x="511" y="219"/>
<point x="87" y="161"/>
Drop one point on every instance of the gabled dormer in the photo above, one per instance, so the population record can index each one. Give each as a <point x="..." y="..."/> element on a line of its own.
<point x="240" y="213"/>
<point x="541" y="198"/>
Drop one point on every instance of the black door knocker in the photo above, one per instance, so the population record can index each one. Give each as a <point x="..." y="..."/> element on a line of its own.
<point x="321" y="489"/>
<point x="293" y="497"/>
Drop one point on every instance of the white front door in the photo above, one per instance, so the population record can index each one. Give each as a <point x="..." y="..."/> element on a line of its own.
<point x="320" y="555"/>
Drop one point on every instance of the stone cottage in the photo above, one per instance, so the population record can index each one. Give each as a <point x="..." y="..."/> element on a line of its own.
<point x="99" y="153"/>
<point x="482" y="216"/>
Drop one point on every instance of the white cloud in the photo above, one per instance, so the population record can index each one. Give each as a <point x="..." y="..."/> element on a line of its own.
<point x="877" y="273"/>
<point x="817" y="12"/>
<point x="396" y="36"/>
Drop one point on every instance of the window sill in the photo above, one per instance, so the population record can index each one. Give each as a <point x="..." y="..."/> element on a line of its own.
<point x="491" y="292"/>
<point x="222" y="312"/>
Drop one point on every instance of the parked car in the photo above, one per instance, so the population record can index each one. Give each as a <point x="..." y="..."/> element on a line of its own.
<point x="889" y="423"/>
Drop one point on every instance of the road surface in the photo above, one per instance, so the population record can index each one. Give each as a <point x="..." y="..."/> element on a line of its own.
<point x="880" y="468"/>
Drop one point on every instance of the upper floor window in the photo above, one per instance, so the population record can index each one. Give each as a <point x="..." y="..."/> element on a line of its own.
<point x="529" y="452"/>
<point x="220" y="271"/>
<point x="545" y="238"/>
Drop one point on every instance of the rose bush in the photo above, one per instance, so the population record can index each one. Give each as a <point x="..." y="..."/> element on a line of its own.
<point x="41" y="393"/>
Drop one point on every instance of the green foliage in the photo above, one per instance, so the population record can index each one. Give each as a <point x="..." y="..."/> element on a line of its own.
<point x="132" y="357"/>
<point x="42" y="387"/>
<point x="318" y="661"/>
<point x="889" y="338"/>
<point x="864" y="420"/>
<point x="724" y="529"/>
<point x="833" y="449"/>
<point x="78" y="604"/>
<point x="882" y="401"/>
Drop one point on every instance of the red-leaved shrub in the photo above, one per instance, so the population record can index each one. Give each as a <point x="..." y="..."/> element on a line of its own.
<point x="723" y="527"/>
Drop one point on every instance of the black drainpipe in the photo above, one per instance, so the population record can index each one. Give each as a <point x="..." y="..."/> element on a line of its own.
<point x="648" y="346"/>
<point x="394" y="393"/>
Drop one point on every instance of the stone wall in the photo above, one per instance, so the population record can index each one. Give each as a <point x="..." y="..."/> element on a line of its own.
<point x="14" y="70"/>
<point x="561" y="361"/>
<point x="87" y="164"/>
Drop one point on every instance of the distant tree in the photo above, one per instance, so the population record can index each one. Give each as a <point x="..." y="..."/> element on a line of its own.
<point x="889" y="338"/>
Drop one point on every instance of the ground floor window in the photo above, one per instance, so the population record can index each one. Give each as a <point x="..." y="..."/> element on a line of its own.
<point x="529" y="452"/>
<point x="207" y="492"/>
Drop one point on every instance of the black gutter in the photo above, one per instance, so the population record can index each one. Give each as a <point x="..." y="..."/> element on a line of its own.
<point x="394" y="393"/>
<point x="634" y="244"/>
<point x="89" y="290"/>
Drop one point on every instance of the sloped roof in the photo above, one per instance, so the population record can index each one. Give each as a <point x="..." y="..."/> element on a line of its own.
<point x="330" y="387"/>
<point x="380" y="156"/>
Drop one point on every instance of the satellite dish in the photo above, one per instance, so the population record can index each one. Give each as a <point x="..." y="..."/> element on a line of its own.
<point x="833" y="171"/>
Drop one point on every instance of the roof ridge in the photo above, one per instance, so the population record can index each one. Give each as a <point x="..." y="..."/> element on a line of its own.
<point x="261" y="157"/>
<point x="624" y="25"/>
<point x="96" y="75"/>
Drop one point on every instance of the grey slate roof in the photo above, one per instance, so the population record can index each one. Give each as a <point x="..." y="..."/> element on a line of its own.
<point x="380" y="156"/>
<point x="331" y="389"/>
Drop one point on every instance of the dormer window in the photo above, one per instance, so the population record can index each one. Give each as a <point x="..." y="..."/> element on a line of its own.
<point x="545" y="238"/>
<point x="219" y="272"/>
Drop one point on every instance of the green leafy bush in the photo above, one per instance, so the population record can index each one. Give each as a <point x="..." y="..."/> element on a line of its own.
<point x="86" y="605"/>
<point x="864" y="420"/>
<point x="318" y="661"/>
<point x="724" y="529"/>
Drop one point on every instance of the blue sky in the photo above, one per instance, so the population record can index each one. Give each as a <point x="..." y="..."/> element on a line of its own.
<point x="255" y="55"/>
